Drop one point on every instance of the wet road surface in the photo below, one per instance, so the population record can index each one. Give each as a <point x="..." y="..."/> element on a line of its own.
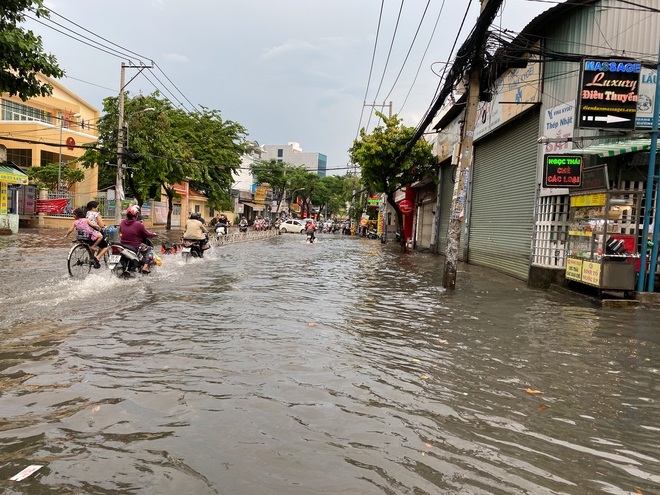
<point x="279" y="367"/>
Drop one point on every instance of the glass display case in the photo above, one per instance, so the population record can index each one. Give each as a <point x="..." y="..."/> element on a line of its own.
<point x="602" y="239"/>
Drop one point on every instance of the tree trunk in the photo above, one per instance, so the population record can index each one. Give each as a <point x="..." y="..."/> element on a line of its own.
<point x="399" y="221"/>
<point x="170" y="198"/>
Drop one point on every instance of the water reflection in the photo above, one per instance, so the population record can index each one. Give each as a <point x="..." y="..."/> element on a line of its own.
<point x="282" y="367"/>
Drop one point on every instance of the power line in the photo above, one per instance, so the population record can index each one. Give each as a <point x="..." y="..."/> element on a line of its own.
<point x="373" y="57"/>
<point x="412" y="43"/>
<point x="387" y="61"/>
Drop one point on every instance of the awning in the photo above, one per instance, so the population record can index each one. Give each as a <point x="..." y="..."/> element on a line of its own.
<point x="254" y="206"/>
<point x="11" y="175"/>
<point x="614" y="149"/>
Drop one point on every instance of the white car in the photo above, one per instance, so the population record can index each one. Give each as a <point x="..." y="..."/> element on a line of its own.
<point x="295" y="226"/>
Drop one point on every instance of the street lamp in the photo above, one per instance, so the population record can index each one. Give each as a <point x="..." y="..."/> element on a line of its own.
<point x="59" y="162"/>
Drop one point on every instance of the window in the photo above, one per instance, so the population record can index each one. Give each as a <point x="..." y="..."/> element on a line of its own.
<point x="22" y="158"/>
<point x="47" y="158"/>
<point x="196" y="208"/>
<point x="279" y="161"/>
<point x="280" y="153"/>
<point x="17" y="111"/>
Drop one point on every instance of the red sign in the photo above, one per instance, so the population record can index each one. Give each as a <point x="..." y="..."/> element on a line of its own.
<point x="406" y="207"/>
<point x="51" y="205"/>
<point x="70" y="143"/>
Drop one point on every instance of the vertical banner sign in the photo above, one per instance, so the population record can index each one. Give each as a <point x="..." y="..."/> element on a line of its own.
<point x="645" y="103"/>
<point x="3" y="198"/>
<point x="608" y="94"/>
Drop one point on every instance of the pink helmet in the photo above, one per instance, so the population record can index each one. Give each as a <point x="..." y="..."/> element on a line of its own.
<point x="133" y="210"/>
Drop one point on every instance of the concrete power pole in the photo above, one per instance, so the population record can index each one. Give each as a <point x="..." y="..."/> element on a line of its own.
<point x="119" y="181"/>
<point x="119" y="186"/>
<point x="458" y="201"/>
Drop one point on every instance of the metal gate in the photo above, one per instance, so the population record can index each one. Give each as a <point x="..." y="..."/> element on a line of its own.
<point x="503" y="190"/>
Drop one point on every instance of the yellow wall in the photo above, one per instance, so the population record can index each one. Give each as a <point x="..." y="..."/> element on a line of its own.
<point x="49" y="136"/>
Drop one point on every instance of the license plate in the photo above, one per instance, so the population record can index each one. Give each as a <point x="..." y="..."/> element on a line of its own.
<point x="185" y="250"/>
<point x="114" y="258"/>
<point x="112" y="266"/>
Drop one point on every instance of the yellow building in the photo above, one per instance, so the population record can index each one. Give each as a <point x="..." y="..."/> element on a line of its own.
<point x="46" y="130"/>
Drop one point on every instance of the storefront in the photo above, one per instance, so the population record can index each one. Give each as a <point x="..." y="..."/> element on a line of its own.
<point x="12" y="178"/>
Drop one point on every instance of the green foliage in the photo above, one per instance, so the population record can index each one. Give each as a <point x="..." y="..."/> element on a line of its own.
<point x="166" y="146"/>
<point x="46" y="177"/>
<point x="377" y="153"/>
<point x="21" y="52"/>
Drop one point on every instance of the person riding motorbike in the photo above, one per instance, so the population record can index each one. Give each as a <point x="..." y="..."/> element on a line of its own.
<point x="133" y="233"/>
<point x="195" y="230"/>
<point x="243" y="225"/>
<point x="309" y="230"/>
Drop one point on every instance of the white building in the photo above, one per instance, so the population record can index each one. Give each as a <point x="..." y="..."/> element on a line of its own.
<point x="293" y="154"/>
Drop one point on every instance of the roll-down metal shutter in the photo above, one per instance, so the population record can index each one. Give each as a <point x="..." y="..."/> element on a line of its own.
<point x="503" y="190"/>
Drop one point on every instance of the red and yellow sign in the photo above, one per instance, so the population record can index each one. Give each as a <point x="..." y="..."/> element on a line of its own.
<point x="591" y="273"/>
<point x="3" y="199"/>
<point x="406" y="207"/>
<point x="574" y="269"/>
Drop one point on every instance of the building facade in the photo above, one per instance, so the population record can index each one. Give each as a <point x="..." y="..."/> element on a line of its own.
<point x="45" y="130"/>
<point x="293" y="154"/>
<point x="510" y="221"/>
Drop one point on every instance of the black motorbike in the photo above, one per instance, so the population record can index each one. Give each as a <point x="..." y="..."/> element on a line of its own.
<point x="192" y="248"/>
<point x="127" y="261"/>
<point x="372" y="234"/>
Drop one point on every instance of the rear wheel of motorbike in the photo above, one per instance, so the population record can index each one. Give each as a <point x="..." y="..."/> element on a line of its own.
<point x="80" y="261"/>
<point x="186" y="257"/>
<point x="119" y="271"/>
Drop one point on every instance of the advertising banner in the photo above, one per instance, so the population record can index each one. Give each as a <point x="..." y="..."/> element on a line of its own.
<point x="608" y="94"/>
<point x="52" y="205"/>
<point x="160" y="213"/>
<point x="562" y="171"/>
<point x="3" y="198"/>
<point x="644" y="116"/>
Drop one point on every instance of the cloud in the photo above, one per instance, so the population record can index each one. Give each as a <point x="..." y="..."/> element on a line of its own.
<point x="289" y="46"/>
<point x="175" y="57"/>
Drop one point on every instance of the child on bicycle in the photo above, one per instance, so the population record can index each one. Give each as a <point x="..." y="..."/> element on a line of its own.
<point x="83" y="225"/>
<point x="94" y="218"/>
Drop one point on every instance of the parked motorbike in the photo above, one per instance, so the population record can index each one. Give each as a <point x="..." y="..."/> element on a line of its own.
<point x="372" y="234"/>
<point x="127" y="262"/>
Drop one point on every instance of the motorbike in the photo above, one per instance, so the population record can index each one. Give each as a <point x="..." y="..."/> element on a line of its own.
<point x="311" y="237"/>
<point x="192" y="248"/>
<point x="221" y="232"/>
<point x="372" y="234"/>
<point x="242" y="228"/>
<point x="126" y="261"/>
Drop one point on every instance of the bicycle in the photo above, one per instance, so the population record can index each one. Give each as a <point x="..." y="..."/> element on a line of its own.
<point x="81" y="258"/>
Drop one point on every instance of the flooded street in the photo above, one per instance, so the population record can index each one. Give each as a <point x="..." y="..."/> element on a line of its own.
<point x="342" y="367"/>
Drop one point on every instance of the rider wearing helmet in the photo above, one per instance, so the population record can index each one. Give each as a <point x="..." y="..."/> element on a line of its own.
<point x="133" y="233"/>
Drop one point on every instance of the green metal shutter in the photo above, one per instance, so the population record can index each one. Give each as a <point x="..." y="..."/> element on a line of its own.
<point x="503" y="191"/>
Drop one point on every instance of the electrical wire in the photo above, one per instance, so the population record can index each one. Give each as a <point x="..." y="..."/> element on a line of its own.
<point x="412" y="43"/>
<point x="373" y="57"/>
<point x="437" y="20"/>
<point x="387" y="61"/>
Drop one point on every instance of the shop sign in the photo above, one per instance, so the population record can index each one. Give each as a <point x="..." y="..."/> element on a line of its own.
<point x="373" y="200"/>
<point x="588" y="200"/>
<point x="562" y="171"/>
<point x="3" y="198"/>
<point x="595" y="178"/>
<point x="648" y="81"/>
<point x="260" y="195"/>
<point x="573" y="269"/>
<point x="591" y="273"/>
<point x="406" y="207"/>
<point x="608" y="93"/>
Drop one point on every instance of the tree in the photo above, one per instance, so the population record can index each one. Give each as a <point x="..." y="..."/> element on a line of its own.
<point x="21" y="52"/>
<point x="216" y="147"/>
<point x="165" y="146"/>
<point x="274" y="174"/>
<point x="46" y="177"/>
<point x="378" y="156"/>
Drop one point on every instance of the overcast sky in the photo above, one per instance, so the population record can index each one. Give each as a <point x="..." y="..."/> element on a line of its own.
<point x="287" y="70"/>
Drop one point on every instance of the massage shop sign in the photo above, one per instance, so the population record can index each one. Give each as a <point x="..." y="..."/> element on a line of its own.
<point x="608" y="94"/>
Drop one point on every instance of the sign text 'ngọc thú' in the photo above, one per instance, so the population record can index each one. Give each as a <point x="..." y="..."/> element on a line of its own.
<point x="562" y="171"/>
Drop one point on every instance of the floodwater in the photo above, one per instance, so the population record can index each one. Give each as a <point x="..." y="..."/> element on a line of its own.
<point x="280" y="367"/>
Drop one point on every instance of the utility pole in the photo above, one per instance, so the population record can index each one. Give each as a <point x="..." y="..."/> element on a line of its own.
<point x="119" y="186"/>
<point x="458" y="202"/>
